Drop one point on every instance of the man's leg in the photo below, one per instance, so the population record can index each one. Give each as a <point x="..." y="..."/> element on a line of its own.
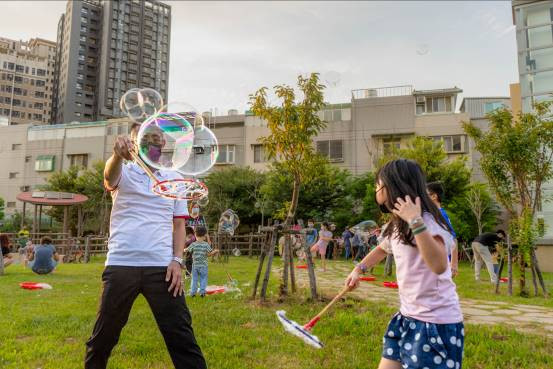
<point x="173" y="319"/>
<point x="121" y="286"/>
<point x="487" y="257"/>
<point x="477" y="260"/>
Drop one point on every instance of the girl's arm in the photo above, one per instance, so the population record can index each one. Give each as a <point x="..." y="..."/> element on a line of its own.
<point x="432" y="249"/>
<point x="374" y="257"/>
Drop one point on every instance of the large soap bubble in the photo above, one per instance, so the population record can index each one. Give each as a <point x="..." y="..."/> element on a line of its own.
<point x="165" y="141"/>
<point x="141" y="103"/>
<point x="205" y="148"/>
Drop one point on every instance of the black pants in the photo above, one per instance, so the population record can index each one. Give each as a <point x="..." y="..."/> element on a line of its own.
<point x="329" y="250"/>
<point x="121" y="286"/>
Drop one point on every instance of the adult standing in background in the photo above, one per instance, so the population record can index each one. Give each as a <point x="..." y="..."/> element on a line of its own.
<point x="481" y="249"/>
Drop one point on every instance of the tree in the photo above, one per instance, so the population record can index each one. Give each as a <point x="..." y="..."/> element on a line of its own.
<point x="292" y="127"/>
<point x="328" y="193"/>
<point x="455" y="178"/>
<point x="88" y="182"/>
<point x="517" y="159"/>
<point x="1" y="209"/>
<point x="480" y="203"/>
<point x="235" y="188"/>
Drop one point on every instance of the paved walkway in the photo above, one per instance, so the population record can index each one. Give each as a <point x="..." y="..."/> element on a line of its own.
<point x="525" y="318"/>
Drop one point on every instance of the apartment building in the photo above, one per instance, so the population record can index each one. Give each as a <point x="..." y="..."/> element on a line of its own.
<point x="358" y="133"/>
<point x="534" y="34"/>
<point x="26" y="81"/>
<point x="107" y="48"/>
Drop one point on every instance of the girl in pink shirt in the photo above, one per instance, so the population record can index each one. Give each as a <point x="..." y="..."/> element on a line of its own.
<point x="428" y="330"/>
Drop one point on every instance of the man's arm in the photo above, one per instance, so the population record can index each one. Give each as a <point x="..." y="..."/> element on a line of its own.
<point x="114" y="165"/>
<point x="174" y="273"/>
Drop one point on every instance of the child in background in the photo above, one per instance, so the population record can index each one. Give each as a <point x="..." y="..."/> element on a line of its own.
<point x="190" y="237"/>
<point x="200" y="250"/>
<point x="324" y="238"/>
<point x="428" y="330"/>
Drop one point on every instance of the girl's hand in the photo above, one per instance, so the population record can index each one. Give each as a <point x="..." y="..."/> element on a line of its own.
<point x="407" y="209"/>
<point x="352" y="281"/>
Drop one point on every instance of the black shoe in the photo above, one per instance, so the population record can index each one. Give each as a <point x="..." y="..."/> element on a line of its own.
<point x="202" y="295"/>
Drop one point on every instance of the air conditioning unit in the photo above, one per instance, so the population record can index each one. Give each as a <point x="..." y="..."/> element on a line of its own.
<point x="421" y="99"/>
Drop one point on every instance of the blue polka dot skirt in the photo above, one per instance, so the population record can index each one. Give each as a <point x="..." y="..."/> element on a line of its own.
<point x="420" y="345"/>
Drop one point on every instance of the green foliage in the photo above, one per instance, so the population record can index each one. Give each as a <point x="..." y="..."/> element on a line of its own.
<point x="292" y="127"/>
<point x="1" y="208"/>
<point x="455" y="178"/>
<point x="517" y="158"/>
<point x="328" y="193"/>
<point x="235" y="188"/>
<point x="88" y="182"/>
<point x="13" y="223"/>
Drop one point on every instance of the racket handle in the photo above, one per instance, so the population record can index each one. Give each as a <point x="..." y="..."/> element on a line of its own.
<point x="311" y="323"/>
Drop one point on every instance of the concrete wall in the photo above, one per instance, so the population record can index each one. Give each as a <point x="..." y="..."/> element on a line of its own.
<point x="544" y="254"/>
<point x="12" y="160"/>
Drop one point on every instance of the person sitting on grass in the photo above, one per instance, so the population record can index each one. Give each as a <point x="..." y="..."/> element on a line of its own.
<point x="5" y="243"/>
<point x="200" y="250"/>
<point x="43" y="258"/>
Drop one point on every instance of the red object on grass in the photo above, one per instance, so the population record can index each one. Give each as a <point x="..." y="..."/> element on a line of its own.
<point x="311" y="323"/>
<point x="210" y="290"/>
<point x="504" y="279"/>
<point x="30" y="285"/>
<point x="301" y="266"/>
<point x="389" y="284"/>
<point x="368" y="279"/>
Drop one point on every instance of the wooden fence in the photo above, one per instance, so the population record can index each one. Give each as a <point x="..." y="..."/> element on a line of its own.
<point x="82" y="248"/>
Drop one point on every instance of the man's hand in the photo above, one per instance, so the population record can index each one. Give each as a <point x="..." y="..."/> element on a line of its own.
<point x="122" y="147"/>
<point x="174" y="275"/>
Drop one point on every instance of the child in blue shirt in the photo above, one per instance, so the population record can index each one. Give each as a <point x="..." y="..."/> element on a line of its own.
<point x="200" y="250"/>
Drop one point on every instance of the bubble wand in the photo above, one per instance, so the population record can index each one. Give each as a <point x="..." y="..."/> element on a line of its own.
<point x="304" y="332"/>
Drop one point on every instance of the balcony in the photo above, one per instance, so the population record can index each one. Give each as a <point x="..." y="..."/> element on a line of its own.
<point x="368" y="93"/>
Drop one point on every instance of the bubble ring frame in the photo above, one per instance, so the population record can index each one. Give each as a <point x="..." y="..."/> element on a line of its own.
<point x="181" y="189"/>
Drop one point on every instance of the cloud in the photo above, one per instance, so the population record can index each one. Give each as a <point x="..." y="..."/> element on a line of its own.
<point x="223" y="51"/>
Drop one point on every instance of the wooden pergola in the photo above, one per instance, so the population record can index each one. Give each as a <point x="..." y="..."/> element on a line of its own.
<point x="49" y="198"/>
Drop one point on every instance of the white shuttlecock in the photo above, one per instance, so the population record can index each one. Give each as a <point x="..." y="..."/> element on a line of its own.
<point x="298" y="330"/>
<point x="44" y="286"/>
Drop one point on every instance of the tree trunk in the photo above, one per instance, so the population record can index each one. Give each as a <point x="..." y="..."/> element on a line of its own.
<point x="534" y="282"/>
<point x="538" y="272"/>
<point x="260" y="266"/>
<point x="1" y="264"/>
<point x="286" y="266"/>
<point x="291" y="265"/>
<point x="269" y="264"/>
<point x="510" y="266"/>
<point x="310" y="272"/>
<point x="522" y="279"/>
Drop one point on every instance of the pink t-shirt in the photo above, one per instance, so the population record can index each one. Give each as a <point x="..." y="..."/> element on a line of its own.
<point x="423" y="294"/>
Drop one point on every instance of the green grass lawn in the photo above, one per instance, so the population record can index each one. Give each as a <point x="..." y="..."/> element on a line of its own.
<point x="48" y="328"/>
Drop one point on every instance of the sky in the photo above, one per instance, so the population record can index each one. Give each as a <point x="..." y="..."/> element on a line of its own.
<point x="223" y="51"/>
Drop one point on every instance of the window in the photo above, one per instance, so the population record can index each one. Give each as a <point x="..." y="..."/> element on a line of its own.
<point x="41" y="72"/>
<point x="259" y="155"/>
<point x="27" y="158"/>
<point x="25" y="188"/>
<point x="44" y="163"/>
<point x="13" y="175"/>
<point x="16" y="146"/>
<point x="390" y="144"/>
<point x="10" y="204"/>
<point x="434" y="105"/>
<point x="452" y="144"/>
<point x="80" y="160"/>
<point x="20" y="68"/>
<point x="40" y="83"/>
<point x="332" y="149"/>
<point x="226" y="154"/>
<point x="491" y="106"/>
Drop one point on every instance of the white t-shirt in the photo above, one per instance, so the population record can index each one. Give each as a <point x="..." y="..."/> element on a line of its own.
<point x="141" y="224"/>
